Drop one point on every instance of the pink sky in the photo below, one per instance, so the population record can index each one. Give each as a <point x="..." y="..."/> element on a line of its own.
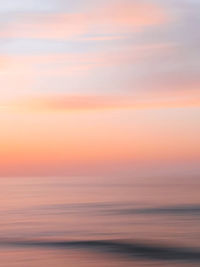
<point x="99" y="87"/>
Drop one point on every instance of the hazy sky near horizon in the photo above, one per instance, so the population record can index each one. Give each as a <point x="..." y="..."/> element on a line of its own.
<point x="92" y="87"/>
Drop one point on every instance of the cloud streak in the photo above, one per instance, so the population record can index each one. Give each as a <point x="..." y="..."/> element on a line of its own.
<point x="65" y="102"/>
<point x="117" y="17"/>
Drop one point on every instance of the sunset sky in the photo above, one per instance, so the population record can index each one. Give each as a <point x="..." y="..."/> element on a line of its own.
<point x="95" y="87"/>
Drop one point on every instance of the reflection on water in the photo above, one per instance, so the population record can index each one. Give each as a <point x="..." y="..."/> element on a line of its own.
<point x="85" y="222"/>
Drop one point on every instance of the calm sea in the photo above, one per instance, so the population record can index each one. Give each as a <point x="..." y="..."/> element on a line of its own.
<point x="99" y="222"/>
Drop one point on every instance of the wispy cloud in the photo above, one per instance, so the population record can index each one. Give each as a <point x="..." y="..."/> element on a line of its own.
<point x="63" y="102"/>
<point x="111" y="18"/>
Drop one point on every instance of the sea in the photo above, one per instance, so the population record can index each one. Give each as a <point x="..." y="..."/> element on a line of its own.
<point x="100" y="221"/>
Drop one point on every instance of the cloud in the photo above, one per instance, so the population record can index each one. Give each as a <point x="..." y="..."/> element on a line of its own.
<point x="64" y="102"/>
<point x="117" y="17"/>
<point x="175" y="81"/>
<point x="27" y="74"/>
<point x="109" y="57"/>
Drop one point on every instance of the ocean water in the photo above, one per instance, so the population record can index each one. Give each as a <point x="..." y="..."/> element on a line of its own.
<point x="99" y="222"/>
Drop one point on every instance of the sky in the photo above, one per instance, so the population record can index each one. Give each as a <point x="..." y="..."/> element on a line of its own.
<point x="95" y="87"/>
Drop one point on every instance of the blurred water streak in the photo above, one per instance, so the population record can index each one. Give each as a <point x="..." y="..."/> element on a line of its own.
<point x="75" y="221"/>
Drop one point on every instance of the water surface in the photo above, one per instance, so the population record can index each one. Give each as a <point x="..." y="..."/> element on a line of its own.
<point x="99" y="222"/>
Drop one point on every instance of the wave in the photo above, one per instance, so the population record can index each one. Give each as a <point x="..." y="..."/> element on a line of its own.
<point x="131" y="250"/>
<point x="110" y="208"/>
<point x="168" y="210"/>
